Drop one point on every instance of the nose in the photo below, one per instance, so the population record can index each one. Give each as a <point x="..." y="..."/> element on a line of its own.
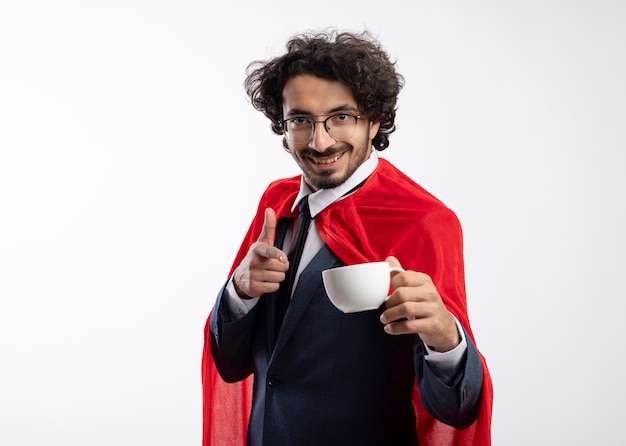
<point x="321" y="140"/>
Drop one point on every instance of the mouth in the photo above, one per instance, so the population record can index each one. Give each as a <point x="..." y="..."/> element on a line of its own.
<point x="327" y="159"/>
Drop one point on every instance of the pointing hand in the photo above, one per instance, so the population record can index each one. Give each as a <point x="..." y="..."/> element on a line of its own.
<point x="264" y="266"/>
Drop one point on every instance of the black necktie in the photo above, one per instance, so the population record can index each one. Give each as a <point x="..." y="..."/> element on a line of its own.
<point x="294" y="255"/>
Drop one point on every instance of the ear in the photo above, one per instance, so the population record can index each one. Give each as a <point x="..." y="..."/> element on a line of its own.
<point x="374" y="126"/>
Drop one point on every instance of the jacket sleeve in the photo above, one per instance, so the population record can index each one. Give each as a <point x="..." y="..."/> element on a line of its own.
<point x="455" y="399"/>
<point x="231" y="341"/>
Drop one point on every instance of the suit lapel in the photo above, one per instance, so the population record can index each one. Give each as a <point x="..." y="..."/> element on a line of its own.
<point x="282" y="228"/>
<point x="308" y="285"/>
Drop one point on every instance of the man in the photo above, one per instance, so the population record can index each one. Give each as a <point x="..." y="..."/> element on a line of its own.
<point x="408" y="373"/>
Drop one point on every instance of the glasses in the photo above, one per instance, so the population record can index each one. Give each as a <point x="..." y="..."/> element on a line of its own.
<point x="340" y="127"/>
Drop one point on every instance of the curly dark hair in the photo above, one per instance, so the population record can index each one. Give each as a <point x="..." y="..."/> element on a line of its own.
<point x="356" y="60"/>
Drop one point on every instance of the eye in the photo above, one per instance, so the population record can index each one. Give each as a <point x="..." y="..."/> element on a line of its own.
<point x="341" y="118"/>
<point x="297" y="122"/>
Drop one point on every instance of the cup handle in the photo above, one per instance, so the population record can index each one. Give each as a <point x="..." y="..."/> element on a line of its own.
<point x="394" y="269"/>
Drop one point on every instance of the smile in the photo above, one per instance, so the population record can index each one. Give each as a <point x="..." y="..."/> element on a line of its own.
<point x="327" y="160"/>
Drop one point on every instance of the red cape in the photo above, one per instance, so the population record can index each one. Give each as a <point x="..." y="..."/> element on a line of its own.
<point x="389" y="215"/>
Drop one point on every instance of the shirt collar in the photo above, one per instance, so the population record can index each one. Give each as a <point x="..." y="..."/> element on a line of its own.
<point x="321" y="199"/>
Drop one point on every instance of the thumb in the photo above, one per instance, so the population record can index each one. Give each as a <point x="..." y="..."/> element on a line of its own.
<point x="392" y="261"/>
<point x="269" y="227"/>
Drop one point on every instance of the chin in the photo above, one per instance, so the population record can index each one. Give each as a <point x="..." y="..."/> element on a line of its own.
<point x="326" y="181"/>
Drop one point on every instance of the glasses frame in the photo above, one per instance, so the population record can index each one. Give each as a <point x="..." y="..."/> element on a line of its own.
<point x="314" y="122"/>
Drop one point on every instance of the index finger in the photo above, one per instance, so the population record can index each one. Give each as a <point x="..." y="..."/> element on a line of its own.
<point x="268" y="252"/>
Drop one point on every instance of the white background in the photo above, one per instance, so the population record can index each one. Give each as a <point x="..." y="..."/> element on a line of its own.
<point x="131" y="164"/>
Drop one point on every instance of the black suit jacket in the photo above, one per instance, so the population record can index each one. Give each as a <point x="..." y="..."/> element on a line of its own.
<point x="329" y="378"/>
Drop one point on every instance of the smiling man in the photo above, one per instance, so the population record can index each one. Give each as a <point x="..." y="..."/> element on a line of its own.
<point x="282" y="365"/>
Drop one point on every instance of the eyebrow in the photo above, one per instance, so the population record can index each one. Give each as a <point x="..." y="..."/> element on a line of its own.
<point x="340" y="108"/>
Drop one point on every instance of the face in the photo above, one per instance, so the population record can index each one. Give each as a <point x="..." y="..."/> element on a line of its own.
<point x="326" y="163"/>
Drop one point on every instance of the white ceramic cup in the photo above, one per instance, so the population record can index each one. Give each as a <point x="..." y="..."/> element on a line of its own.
<point x="360" y="287"/>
